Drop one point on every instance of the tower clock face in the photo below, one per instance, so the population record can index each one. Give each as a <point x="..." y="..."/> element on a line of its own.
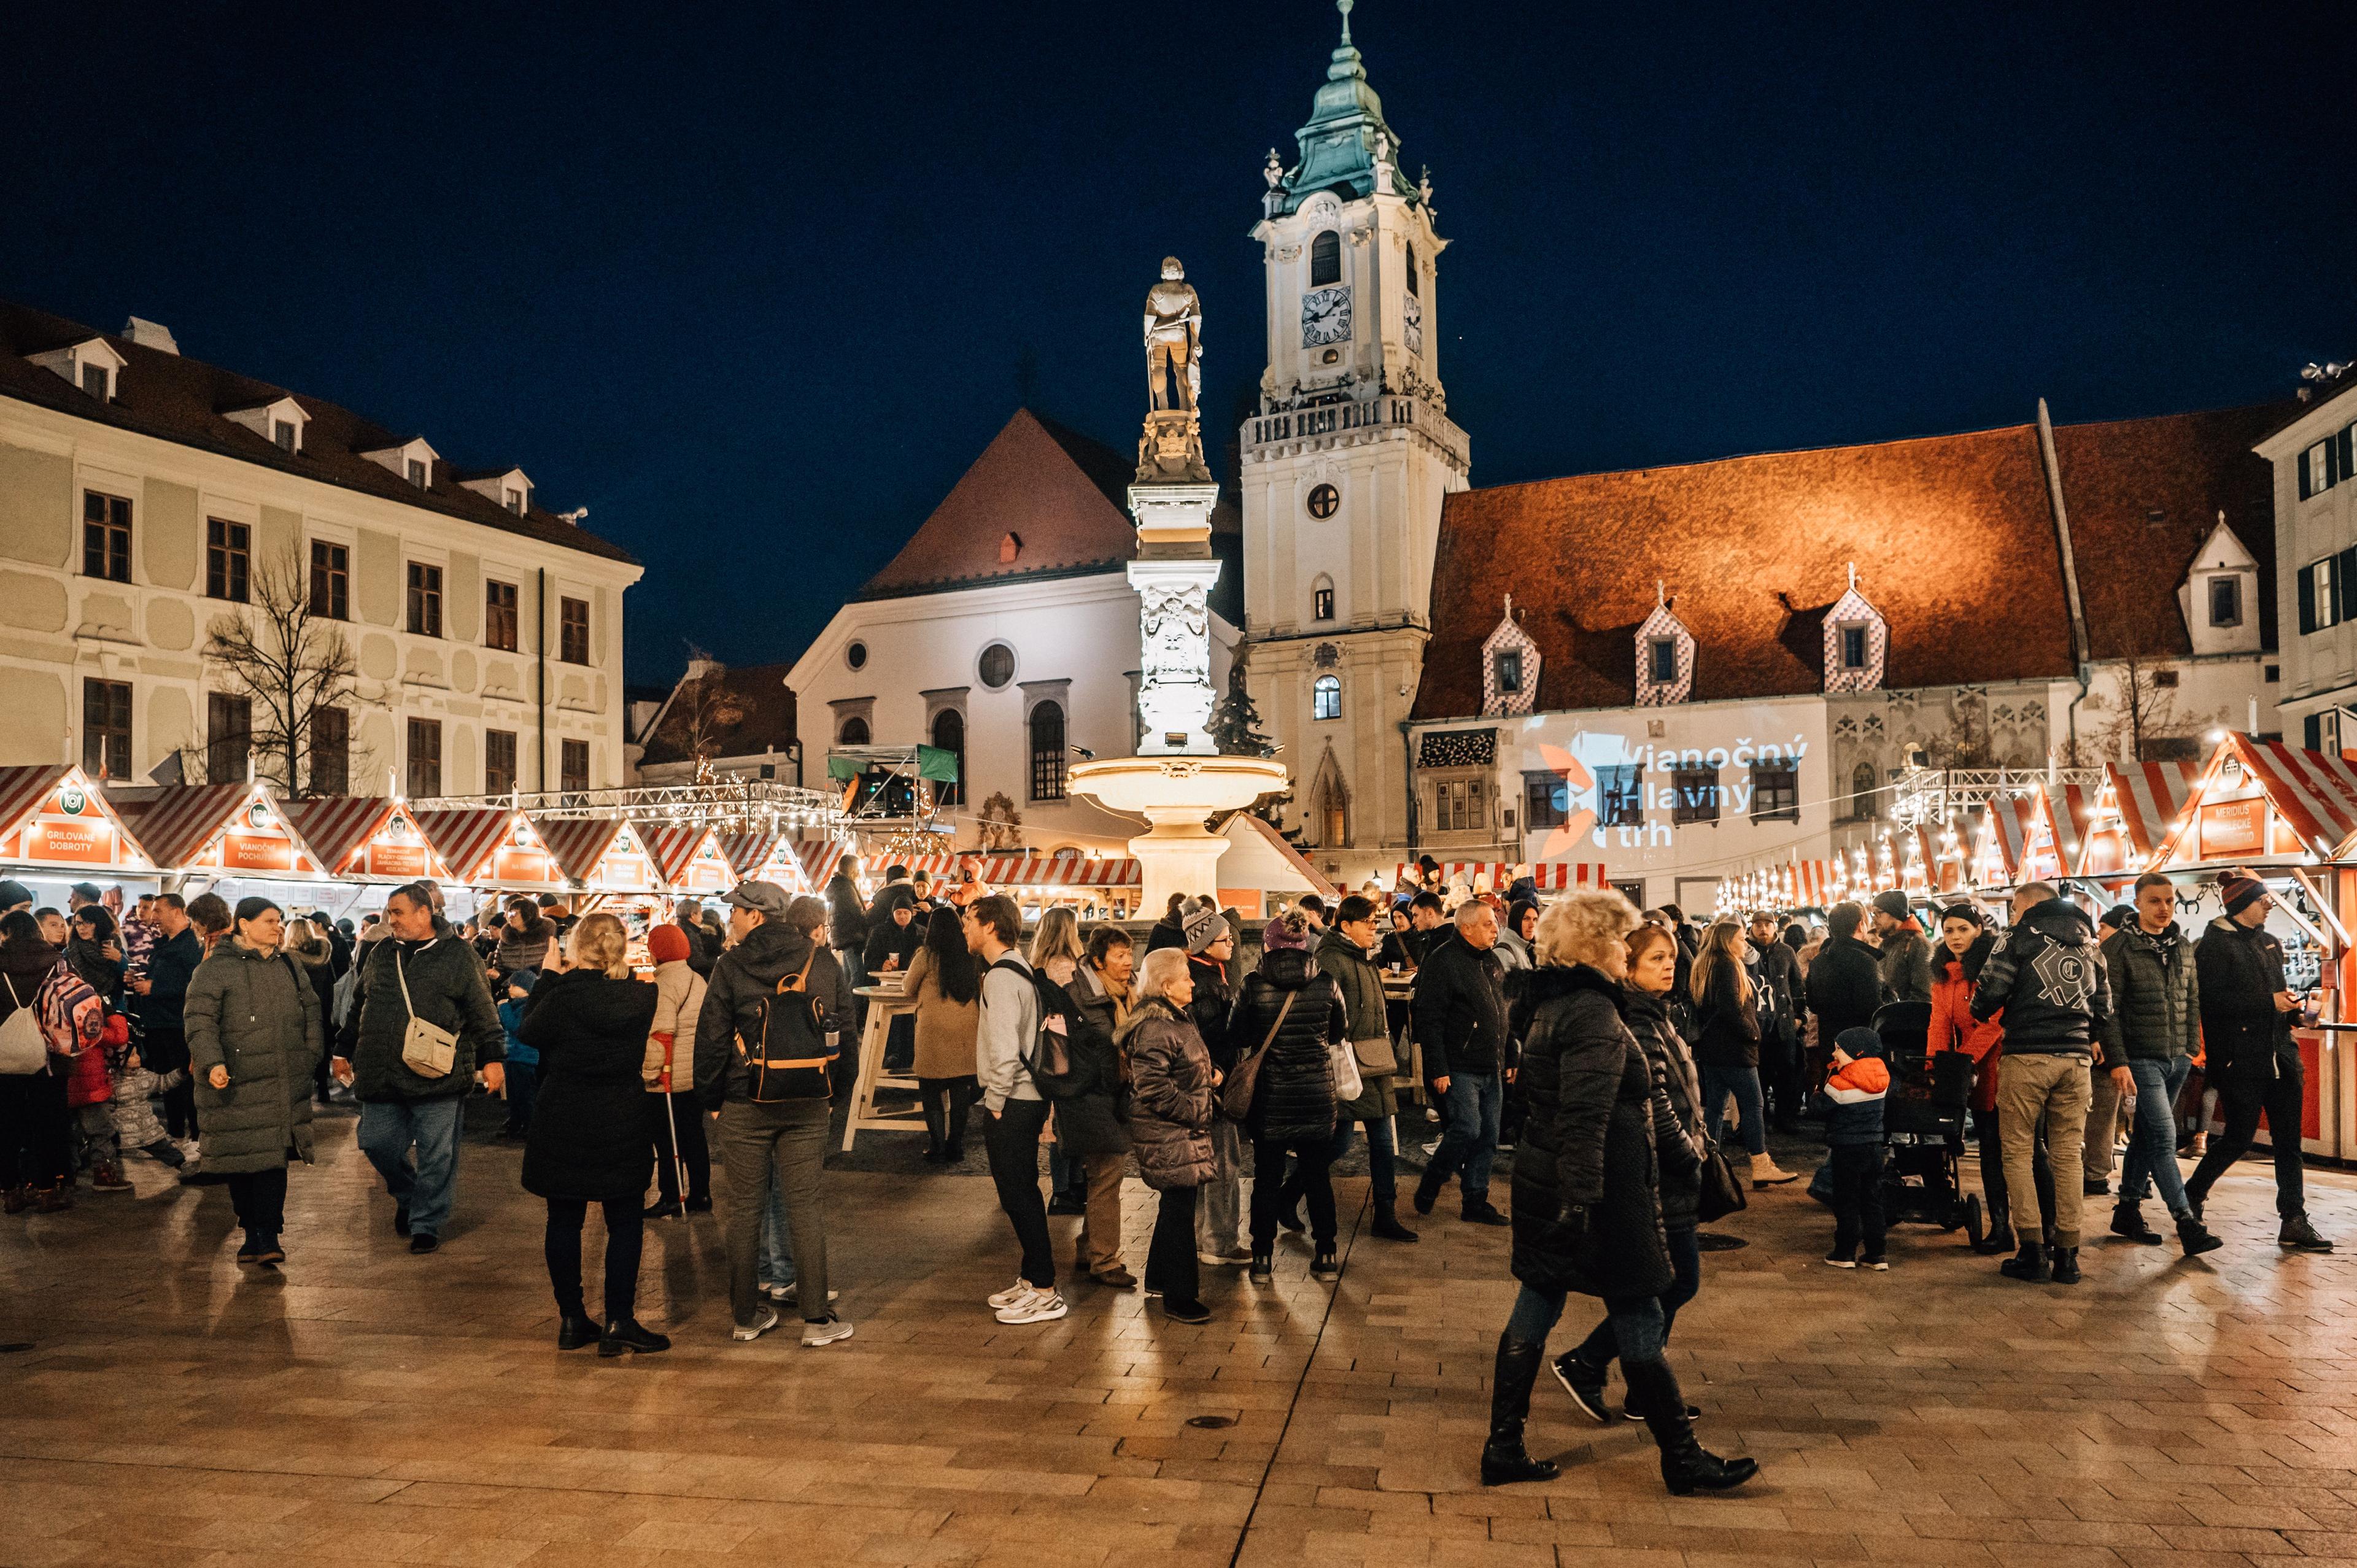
<point x="1416" y="327"/>
<point x="1325" y="317"/>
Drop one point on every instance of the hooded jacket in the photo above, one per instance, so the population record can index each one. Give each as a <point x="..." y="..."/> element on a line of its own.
<point x="1953" y="1028"/>
<point x="2155" y="997"/>
<point x="1293" y="1097"/>
<point x="1851" y="1100"/>
<point x="2046" y="975"/>
<point x="745" y="973"/>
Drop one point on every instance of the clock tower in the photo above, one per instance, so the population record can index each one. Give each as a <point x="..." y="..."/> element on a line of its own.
<point x="1345" y="464"/>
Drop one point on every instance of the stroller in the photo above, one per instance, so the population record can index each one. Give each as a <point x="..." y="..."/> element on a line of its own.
<point x="1923" y="1125"/>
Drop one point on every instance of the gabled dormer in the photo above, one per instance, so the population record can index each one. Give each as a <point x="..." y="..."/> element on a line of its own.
<point x="1665" y="656"/>
<point x="412" y="461"/>
<point x="1856" y="640"/>
<point x="91" y="364"/>
<point x="508" y="490"/>
<point x="2220" y="595"/>
<point x="279" y="421"/>
<point x="1510" y="667"/>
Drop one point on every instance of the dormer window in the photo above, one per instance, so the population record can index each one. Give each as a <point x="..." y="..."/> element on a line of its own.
<point x="514" y="501"/>
<point x="91" y="365"/>
<point x="283" y="431"/>
<point x="1510" y="672"/>
<point x="279" y="421"/>
<point x="412" y="460"/>
<point x="509" y="489"/>
<point x="1009" y="548"/>
<point x="1662" y="660"/>
<point x="1856" y="641"/>
<point x="95" y="380"/>
<point x="1853" y="647"/>
<point x="1665" y="656"/>
<point x="418" y="472"/>
<point x="2225" y="601"/>
<point x="1510" y="666"/>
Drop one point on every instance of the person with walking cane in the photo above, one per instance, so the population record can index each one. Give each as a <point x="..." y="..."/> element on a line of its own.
<point x="682" y="1157"/>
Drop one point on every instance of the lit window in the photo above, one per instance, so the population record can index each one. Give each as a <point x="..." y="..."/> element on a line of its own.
<point x="1326" y="698"/>
<point x="106" y="729"/>
<point x="1321" y="602"/>
<point x="1324" y="500"/>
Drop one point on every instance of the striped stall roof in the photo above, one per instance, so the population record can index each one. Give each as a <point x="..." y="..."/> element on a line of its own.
<point x="335" y="826"/>
<point x="1552" y="875"/>
<point x="2314" y="792"/>
<point x="674" y="847"/>
<point x="465" y="836"/>
<point x="24" y="789"/>
<point x="2070" y="809"/>
<point x="819" y="857"/>
<point x="748" y="853"/>
<point x="578" y="842"/>
<point x="178" y="822"/>
<point x="1035" y="871"/>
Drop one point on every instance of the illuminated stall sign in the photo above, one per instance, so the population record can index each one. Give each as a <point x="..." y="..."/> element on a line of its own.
<point x="51" y="816"/>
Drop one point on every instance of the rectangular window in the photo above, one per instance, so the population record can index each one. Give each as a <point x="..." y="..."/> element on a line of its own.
<point x="499" y="761"/>
<point x="1546" y="801"/>
<point x="331" y="580"/>
<point x="106" y="729"/>
<point x="515" y="502"/>
<point x="573" y="765"/>
<point x="228" y="559"/>
<point x="418" y="473"/>
<point x="93" y="380"/>
<point x="573" y="631"/>
<point x="425" y="758"/>
<point x="1456" y="806"/>
<point x="281" y="431"/>
<point x="1322" y="604"/>
<point x="1775" y="792"/>
<point x="424" y="599"/>
<point x="2225" y="601"/>
<point x="1510" y="671"/>
<point x="331" y="752"/>
<point x="500" y="616"/>
<point x="1661" y="661"/>
<point x="228" y="736"/>
<point x="105" y="537"/>
<point x="1853" y="647"/>
<point x="1693" y="795"/>
<point x="1620" y="796"/>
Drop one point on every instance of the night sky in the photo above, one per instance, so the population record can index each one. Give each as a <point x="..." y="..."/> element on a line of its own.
<point x="755" y="284"/>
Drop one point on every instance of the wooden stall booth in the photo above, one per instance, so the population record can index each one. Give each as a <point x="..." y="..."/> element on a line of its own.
<point x="222" y="834"/>
<point x="57" y="829"/>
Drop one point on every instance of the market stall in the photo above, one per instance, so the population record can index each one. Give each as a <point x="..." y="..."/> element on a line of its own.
<point x="1096" y="889"/>
<point x="2132" y="812"/>
<point x="766" y="857"/>
<point x="56" y="829"/>
<point x="601" y="854"/>
<point x="371" y="844"/>
<point x="688" y="859"/>
<point x="232" y="839"/>
<point x="493" y="847"/>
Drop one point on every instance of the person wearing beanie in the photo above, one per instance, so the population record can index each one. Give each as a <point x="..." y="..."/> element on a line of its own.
<point x="14" y="896"/>
<point x="2046" y="975"/>
<point x="672" y="1120"/>
<point x="1851" y="1103"/>
<point x="1844" y="980"/>
<point x="1210" y="944"/>
<point x="2248" y="1011"/>
<point x="1904" y="970"/>
<point x="253" y="1030"/>
<point x="1287" y="1013"/>
<point x="522" y="1060"/>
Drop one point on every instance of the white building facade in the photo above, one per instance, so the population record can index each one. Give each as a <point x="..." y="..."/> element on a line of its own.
<point x="2313" y="460"/>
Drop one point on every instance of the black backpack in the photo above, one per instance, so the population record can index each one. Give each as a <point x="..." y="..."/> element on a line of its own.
<point x="789" y="1054"/>
<point x="1059" y="1060"/>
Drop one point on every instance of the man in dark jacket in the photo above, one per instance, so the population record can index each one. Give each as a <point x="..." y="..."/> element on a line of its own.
<point x="702" y="950"/>
<point x="2248" y="1013"/>
<point x="158" y="1000"/>
<point x="846" y="922"/>
<point x="1844" y="981"/>
<point x="1781" y="1079"/>
<point x="1905" y="967"/>
<point x="425" y="971"/>
<point x="2047" y="976"/>
<point x="1459" y="1021"/>
<point x="2148" y="1046"/>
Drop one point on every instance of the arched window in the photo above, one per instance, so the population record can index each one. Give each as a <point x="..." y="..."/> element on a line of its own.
<point x="1865" y="793"/>
<point x="1048" y="752"/>
<point x="1414" y="273"/>
<point x="854" y="732"/>
<point x="949" y="733"/>
<point x="1325" y="259"/>
<point x="1326" y="697"/>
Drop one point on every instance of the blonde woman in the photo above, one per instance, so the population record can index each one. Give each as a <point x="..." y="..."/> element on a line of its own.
<point x="1588" y="1195"/>
<point x="588" y="1141"/>
<point x="1056" y="954"/>
<point x="1726" y="1017"/>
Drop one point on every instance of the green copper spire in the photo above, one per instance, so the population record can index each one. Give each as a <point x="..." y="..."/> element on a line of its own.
<point x="1339" y="144"/>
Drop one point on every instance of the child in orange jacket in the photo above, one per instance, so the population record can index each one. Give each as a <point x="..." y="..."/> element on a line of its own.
<point x="1851" y="1103"/>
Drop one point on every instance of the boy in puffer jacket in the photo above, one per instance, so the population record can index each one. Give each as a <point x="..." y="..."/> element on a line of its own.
<point x="1851" y="1103"/>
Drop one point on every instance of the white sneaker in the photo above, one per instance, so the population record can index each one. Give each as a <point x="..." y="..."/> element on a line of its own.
<point x="826" y="1331"/>
<point x="1011" y="1295"/>
<point x="761" y="1325"/>
<point x="792" y="1296"/>
<point x="1036" y="1306"/>
<point x="1214" y="1260"/>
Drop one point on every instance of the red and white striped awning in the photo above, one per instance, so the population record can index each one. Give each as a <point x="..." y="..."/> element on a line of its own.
<point x="368" y="837"/>
<point x="336" y="825"/>
<point x="2312" y="795"/>
<point x="819" y="857"/>
<point x="1034" y="871"/>
<point x="226" y="827"/>
<point x="465" y="836"/>
<point x="182" y="819"/>
<point x="1552" y="875"/>
<point x="687" y="856"/>
<point x="2137" y="805"/>
<point x="52" y="815"/>
<point x="578" y="842"/>
<point x="748" y="853"/>
<point x="2070" y="809"/>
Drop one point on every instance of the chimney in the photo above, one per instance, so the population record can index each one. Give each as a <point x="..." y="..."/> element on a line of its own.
<point x="150" y="335"/>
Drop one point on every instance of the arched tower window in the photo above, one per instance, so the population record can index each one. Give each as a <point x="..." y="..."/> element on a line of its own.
<point x="1326" y="697"/>
<point x="854" y="732"/>
<point x="949" y="734"/>
<point x="1325" y="259"/>
<point x="1048" y="752"/>
<point x="1414" y="273"/>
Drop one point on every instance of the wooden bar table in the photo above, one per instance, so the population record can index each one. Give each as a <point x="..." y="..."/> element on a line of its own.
<point x="885" y="1001"/>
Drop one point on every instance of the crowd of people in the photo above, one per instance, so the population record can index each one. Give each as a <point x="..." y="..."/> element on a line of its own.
<point x="1620" y="1055"/>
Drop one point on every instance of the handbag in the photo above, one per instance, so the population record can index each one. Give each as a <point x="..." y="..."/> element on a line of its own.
<point x="428" y="1049"/>
<point x="22" y="1048"/>
<point x="1236" y="1094"/>
<point x="1343" y="1061"/>
<point x="1376" y="1058"/>
<point x="1722" y="1194"/>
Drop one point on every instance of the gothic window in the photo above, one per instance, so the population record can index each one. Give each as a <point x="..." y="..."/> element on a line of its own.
<point x="1326" y="698"/>
<point x="949" y="734"/>
<point x="1325" y="259"/>
<point x="1865" y="803"/>
<point x="1048" y="752"/>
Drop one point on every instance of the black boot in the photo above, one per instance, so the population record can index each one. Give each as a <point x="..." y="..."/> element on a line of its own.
<point x="1687" y="1465"/>
<point x="2298" y="1236"/>
<point x="1388" y="1227"/>
<point x="2195" y="1238"/>
<point x="1584" y="1380"/>
<point x="2066" y="1265"/>
<point x="1997" y="1241"/>
<point x="2128" y="1220"/>
<point x="628" y="1334"/>
<point x="1504" y="1458"/>
<point x="575" y="1329"/>
<point x="1427" y="1190"/>
<point x="2028" y="1265"/>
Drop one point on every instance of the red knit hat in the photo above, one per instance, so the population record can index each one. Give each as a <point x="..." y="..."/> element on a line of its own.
<point x="667" y="944"/>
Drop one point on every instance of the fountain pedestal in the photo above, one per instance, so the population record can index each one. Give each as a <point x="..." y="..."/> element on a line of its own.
<point x="1177" y="795"/>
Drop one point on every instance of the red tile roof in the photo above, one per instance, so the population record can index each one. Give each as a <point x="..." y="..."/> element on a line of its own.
<point x="1953" y="539"/>
<point x="188" y="401"/>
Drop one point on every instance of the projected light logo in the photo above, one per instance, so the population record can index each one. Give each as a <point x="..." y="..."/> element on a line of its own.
<point x="1579" y="802"/>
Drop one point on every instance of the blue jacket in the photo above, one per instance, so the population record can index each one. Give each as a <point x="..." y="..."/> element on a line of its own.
<point x="511" y="1019"/>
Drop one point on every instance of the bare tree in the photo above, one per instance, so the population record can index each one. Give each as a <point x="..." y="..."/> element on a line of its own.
<point x="295" y="665"/>
<point x="712" y="708"/>
<point x="2147" y="727"/>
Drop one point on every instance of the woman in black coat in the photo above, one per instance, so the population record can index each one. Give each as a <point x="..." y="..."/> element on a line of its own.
<point x="1297" y="1009"/>
<point x="588" y="1140"/>
<point x="1587" y="1203"/>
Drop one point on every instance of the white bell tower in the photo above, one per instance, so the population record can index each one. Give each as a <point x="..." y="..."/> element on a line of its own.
<point x="1345" y="465"/>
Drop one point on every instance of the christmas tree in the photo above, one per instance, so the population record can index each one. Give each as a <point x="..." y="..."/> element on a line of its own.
<point x="1235" y="722"/>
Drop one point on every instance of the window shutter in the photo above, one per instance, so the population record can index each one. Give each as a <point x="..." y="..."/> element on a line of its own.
<point x="2344" y="585"/>
<point x="2307" y="587"/>
<point x="2304" y="491"/>
<point x="2314" y="724"/>
<point x="2346" y="445"/>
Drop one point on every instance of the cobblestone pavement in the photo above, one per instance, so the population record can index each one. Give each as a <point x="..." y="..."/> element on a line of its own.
<point x="365" y="1406"/>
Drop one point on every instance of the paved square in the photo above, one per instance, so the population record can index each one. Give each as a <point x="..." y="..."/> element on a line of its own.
<point x="364" y="1406"/>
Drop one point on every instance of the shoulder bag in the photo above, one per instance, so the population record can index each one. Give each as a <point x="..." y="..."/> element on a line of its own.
<point x="1722" y="1194"/>
<point x="22" y="1048"/>
<point x="428" y="1049"/>
<point x="1236" y="1094"/>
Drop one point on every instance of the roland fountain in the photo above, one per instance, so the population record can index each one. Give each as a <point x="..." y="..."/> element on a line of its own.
<point x="1178" y="781"/>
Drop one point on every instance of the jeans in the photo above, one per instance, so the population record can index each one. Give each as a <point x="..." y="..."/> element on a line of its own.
<point x="1383" y="1146"/>
<point x="1641" y="1329"/>
<point x="1012" y="1138"/>
<point x="2241" y="1102"/>
<point x="1686" y="1267"/>
<point x="777" y="1265"/>
<point x="258" y="1199"/>
<point x="1468" y="1135"/>
<point x="389" y="1128"/>
<point x="684" y="1117"/>
<point x="1268" y="1186"/>
<point x="2035" y="1091"/>
<point x="784" y="1143"/>
<point x="523" y="1079"/>
<point x="1218" y="1209"/>
<point x="1170" y="1265"/>
<point x="1743" y="1082"/>
<point x="561" y="1243"/>
<point x="1858" y="1199"/>
<point x="2152" y="1145"/>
